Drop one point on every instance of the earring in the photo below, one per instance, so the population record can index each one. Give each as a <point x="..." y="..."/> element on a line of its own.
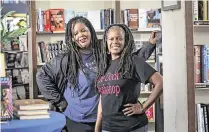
<point x="108" y="52"/>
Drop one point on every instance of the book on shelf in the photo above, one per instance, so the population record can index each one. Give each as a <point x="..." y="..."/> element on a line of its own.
<point x="100" y="19"/>
<point x="47" y="51"/>
<point x="200" y="12"/>
<point x="141" y="18"/>
<point x="19" y="76"/>
<point x="153" y="18"/>
<point x="146" y="88"/>
<point x="6" y="98"/>
<point x="201" y="61"/>
<point x="57" y="20"/>
<point x="133" y="22"/>
<point x="21" y="60"/>
<point x="202" y="117"/>
<point x="10" y="60"/>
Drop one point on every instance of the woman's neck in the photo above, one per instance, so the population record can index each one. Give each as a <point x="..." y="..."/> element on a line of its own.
<point x="86" y="50"/>
<point x="114" y="57"/>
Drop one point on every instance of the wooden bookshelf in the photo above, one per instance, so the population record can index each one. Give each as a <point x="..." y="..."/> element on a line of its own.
<point x="202" y="85"/>
<point x="40" y="64"/>
<point x="15" y="85"/>
<point x="149" y="92"/>
<point x="151" y="121"/>
<point x="102" y="31"/>
<point x="16" y="68"/>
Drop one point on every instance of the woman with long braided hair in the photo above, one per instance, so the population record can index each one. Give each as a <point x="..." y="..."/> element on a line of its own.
<point x="119" y="78"/>
<point x="68" y="80"/>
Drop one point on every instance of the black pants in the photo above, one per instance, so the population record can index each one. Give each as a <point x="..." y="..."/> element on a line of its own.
<point x="73" y="126"/>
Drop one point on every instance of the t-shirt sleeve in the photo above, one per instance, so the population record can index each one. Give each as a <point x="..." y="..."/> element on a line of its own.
<point x="143" y="70"/>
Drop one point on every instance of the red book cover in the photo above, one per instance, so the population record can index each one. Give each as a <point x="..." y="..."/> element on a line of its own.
<point x="47" y="25"/>
<point x="150" y="114"/>
<point x="57" y="20"/>
<point x="197" y="63"/>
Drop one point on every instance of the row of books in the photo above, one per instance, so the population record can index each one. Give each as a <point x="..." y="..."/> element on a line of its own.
<point x="16" y="60"/>
<point x="47" y="51"/>
<point x="201" y="63"/>
<point x="202" y="117"/>
<point x="18" y="76"/>
<point x="18" y="44"/>
<point x="201" y="12"/>
<point x="141" y="18"/>
<point x="146" y="88"/>
<point x="55" y="20"/>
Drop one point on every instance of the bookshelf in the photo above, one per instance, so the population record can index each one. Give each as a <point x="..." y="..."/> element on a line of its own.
<point x="17" y="51"/>
<point x="201" y="43"/>
<point x="201" y="33"/>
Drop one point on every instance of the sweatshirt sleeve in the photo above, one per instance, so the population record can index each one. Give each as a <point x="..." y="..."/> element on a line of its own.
<point x="146" y="51"/>
<point x="46" y="81"/>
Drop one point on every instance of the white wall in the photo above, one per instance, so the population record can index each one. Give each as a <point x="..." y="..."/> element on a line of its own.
<point x="175" y="70"/>
<point x="140" y="4"/>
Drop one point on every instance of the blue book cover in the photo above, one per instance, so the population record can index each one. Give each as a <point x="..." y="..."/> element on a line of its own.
<point x="102" y="18"/>
<point x="204" y="64"/>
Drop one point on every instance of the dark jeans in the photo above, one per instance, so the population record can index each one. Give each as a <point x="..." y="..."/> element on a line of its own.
<point x="142" y="129"/>
<point x="73" y="126"/>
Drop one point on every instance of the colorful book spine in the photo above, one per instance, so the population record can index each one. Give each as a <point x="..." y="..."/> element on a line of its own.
<point x="204" y="66"/>
<point x="6" y="98"/>
<point x="197" y="64"/>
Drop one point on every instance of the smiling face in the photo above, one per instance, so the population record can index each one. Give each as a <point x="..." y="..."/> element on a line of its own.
<point x="115" y="41"/>
<point x="81" y="35"/>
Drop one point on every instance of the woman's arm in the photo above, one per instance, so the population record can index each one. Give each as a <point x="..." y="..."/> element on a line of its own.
<point x="45" y="79"/>
<point x="147" y="49"/>
<point x="146" y="74"/>
<point x="138" y="108"/>
<point x="99" y="116"/>
<point x="157" y="80"/>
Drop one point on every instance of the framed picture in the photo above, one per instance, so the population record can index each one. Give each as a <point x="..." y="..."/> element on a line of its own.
<point x="170" y="5"/>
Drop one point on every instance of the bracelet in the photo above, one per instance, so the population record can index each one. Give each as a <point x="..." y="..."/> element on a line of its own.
<point x="141" y="106"/>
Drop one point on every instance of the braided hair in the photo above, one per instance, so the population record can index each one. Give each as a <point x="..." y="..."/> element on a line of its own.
<point x="125" y="63"/>
<point x="74" y="62"/>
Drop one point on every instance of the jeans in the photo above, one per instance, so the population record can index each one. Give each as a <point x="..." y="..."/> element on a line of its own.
<point x="142" y="129"/>
<point x="73" y="126"/>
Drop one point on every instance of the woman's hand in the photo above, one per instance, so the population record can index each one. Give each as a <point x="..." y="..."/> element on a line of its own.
<point x="153" y="38"/>
<point x="132" y="109"/>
